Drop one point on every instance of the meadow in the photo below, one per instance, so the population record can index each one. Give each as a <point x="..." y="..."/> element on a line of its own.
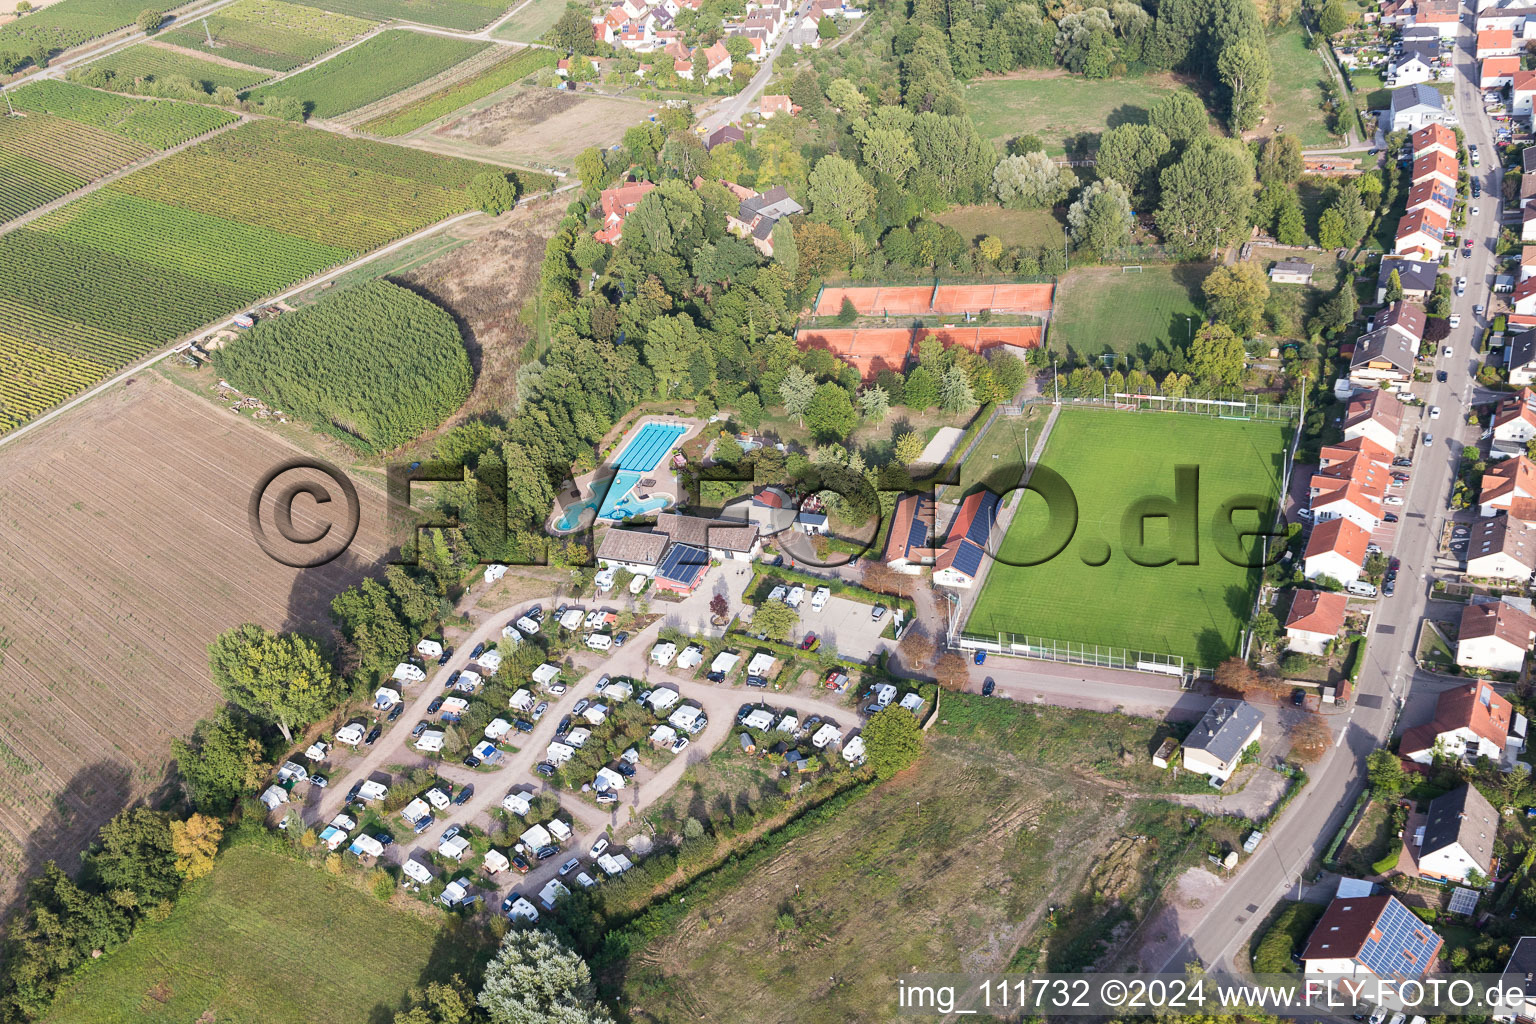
<point x="466" y="15"/>
<point x="1295" y="89"/>
<point x="509" y="71"/>
<point x="1103" y="309"/>
<point x="1114" y="461"/>
<point x="532" y="22"/>
<point x="239" y="940"/>
<point x="376" y="68"/>
<point x="1058" y="106"/>
<point x="270" y="34"/>
<point x="160" y="124"/>
<point x="67" y="23"/>
<point x="111" y="277"/>
<point x="156" y="63"/>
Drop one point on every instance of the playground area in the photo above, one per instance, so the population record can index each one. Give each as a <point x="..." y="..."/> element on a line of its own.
<point x="637" y="483"/>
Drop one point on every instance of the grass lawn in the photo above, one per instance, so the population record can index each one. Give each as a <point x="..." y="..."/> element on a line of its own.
<point x="1101" y="309"/>
<point x="1295" y="90"/>
<point x="882" y="885"/>
<point x="530" y="24"/>
<point x="1033" y="228"/>
<point x="1056" y="105"/>
<point x="998" y="459"/>
<point x="264" y="938"/>
<point x="1113" y="461"/>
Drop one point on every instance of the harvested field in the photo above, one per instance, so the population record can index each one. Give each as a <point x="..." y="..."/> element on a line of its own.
<point x="489" y="285"/>
<point x="116" y="580"/>
<point x="542" y="126"/>
<point x="916" y="300"/>
<point x="872" y="349"/>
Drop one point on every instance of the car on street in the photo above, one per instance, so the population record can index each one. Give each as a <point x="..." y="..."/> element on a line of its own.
<point x="538" y="712"/>
<point x="581" y="706"/>
<point x="1478" y="309"/>
<point x="1395" y="564"/>
<point x="598" y="848"/>
<point x="1454" y="320"/>
<point x="1429" y="439"/>
<point x="1440" y="377"/>
<point x="1466" y="253"/>
<point x="569" y="866"/>
<point x="373" y="735"/>
<point x="987" y="688"/>
<point x="1448" y="352"/>
<point x="1476" y="211"/>
<point x="981" y="657"/>
<point x="1434" y="412"/>
<point x="1461" y="289"/>
<point x="464" y="794"/>
<point x="545" y="768"/>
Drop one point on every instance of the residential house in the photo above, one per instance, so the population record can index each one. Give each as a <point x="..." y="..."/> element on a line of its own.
<point x="717" y="61"/>
<point x="724" y="539"/>
<point x="1376" y="416"/>
<point x="1528" y="220"/>
<point x="1396" y="13"/>
<point x="1496" y="42"/>
<point x="682" y="569"/>
<point x="1215" y="747"/>
<point x="1496" y="71"/>
<point x="1415" y="106"/>
<point x="1470" y="721"/>
<point x="1315" y="618"/>
<point x="1495" y="635"/>
<point x="1522" y="88"/>
<point x="1417" y="63"/>
<point x="1351" y="479"/>
<point x="1433" y="195"/>
<point x="1421" y="234"/>
<point x="619" y="202"/>
<point x="1501" y="548"/>
<point x="757" y="214"/>
<point x="1417" y="277"/>
<point x="1435" y="166"/>
<point x="1520" y="358"/>
<point x="683" y="67"/>
<point x="1370" y="937"/>
<point x="770" y="106"/>
<point x="1514" y="425"/>
<point x="1443" y="16"/>
<point x="639" y="551"/>
<point x="1519" y="975"/>
<point x="1509" y="486"/>
<point x="1433" y="138"/>
<point x="1291" y="272"/>
<point x="1336" y="549"/>
<point x="1458" y="837"/>
<point x="1386" y="353"/>
<point x="909" y="545"/>
<point x="959" y="562"/>
<point x="724" y="134"/>
<point x="803" y="34"/>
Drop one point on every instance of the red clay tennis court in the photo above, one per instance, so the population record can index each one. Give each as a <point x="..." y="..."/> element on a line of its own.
<point x="872" y="349"/>
<point x="917" y="300"/>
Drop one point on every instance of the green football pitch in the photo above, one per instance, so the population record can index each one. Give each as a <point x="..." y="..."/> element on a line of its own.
<point x="1103" y="587"/>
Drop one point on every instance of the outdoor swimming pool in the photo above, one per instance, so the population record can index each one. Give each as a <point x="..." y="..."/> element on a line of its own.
<point x="640" y="456"/>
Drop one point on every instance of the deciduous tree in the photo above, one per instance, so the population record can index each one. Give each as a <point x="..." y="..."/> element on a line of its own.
<point x="280" y="677"/>
<point x="892" y="741"/>
<point x="196" y="843"/>
<point x="1031" y="181"/>
<point x="1235" y="295"/>
<point x="535" y="979"/>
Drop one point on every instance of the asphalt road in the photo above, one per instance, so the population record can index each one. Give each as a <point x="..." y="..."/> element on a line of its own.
<point x="1389" y="676"/>
<point x="734" y="108"/>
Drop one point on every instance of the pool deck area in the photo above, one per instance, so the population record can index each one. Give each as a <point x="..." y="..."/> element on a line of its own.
<point x="592" y="489"/>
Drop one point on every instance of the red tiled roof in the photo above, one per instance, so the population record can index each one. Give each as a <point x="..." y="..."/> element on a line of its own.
<point x="1341" y="536"/>
<point x="1434" y="162"/>
<point x="1510" y="478"/>
<point x="1497" y="619"/>
<point x="1435" y="134"/>
<point x="1523" y="81"/>
<point x="1317" y="611"/>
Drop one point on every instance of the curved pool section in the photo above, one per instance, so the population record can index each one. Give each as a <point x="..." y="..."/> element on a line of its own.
<point x="644" y="452"/>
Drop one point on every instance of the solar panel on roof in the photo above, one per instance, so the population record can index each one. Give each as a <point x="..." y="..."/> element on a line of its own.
<point x="684" y="563"/>
<point x="981" y="525"/>
<point x="917" y="533"/>
<point x="1401" y="945"/>
<point x="968" y="558"/>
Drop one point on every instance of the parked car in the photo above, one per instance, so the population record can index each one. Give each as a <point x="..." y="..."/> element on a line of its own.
<point x="471" y="761"/>
<point x="385" y="839"/>
<point x="536" y="613"/>
<point x="449" y="833"/>
<point x="1388" y="587"/>
<point x="877" y="612"/>
<point x="607" y="797"/>
<point x="757" y="681"/>
<point x="564" y="726"/>
<point x="538" y="712"/>
<point x="546" y="852"/>
<point x="598" y="848"/>
<point x="1393" y="499"/>
<point x="987" y="688"/>
<point x="556" y="689"/>
<point x="1402" y="460"/>
<point x="681" y="744"/>
<point x="520" y="864"/>
<point x="464" y="794"/>
<point x="619" y="639"/>
<point x="1461" y="288"/>
<point x="625" y="769"/>
<point x="545" y="768"/>
<point x="522" y="725"/>
<point x="581" y="706"/>
<point x="809" y="642"/>
<point x="394" y="712"/>
<point x="442" y="659"/>
<point x="319" y="781"/>
<point x="1455" y="320"/>
<point x="1298" y="697"/>
<point x="373" y="735"/>
<point x="357" y="787"/>
<point x="1478" y="309"/>
<point x="452" y="679"/>
<point x="1434" y="412"/>
<point x="716" y="677"/>
<point x="981" y="657"/>
<point x="1440" y="376"/>
<point x="479" y="650"/>
<point x="419" y="728"/>
<point x="1390" y="517"/>
<point x="435" y="706"/>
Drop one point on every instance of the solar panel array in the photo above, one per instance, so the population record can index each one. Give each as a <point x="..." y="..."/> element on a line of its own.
<point x="683" y="564"/>
<point x="1464" y="901"/>
<point x="1400" y="945"/>
<point x="981" y="524"/>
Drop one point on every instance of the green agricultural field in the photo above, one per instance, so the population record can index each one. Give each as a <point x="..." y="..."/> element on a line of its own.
<point x="157" y="123"/>
<point x="113" y="276"/>
<point x="1057" y="106"/>
<point x="44" y="157"/>
<point x="512" y="69"/>
<point x="269" y="33"/>
<point x="466" y="15"/>
<point x="67" y="23"/>
<point x="1099" y="309"/>
<point x="264" y="939"/>
<point x="532" y="21"/>
<point x="1112" y="461"/>
<point x="370" y="71"/>
<point x="156" y="63"/>
<point x="1295" y="90"/>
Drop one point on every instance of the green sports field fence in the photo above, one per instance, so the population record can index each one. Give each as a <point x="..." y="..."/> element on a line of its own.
<point x="1022" y="645"/>
<point x="1244" y="407"/>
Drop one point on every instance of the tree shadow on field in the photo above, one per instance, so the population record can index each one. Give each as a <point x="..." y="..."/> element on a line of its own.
<point x="1127" y="113"/>
<point x="93" y="795"/>
<point x="310" y="596"/>
<point x="462" y="946"/>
